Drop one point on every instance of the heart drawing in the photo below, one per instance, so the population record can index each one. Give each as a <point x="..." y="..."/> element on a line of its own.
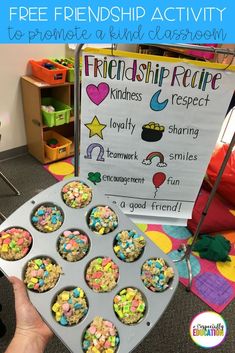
<point x="97" y="94"/>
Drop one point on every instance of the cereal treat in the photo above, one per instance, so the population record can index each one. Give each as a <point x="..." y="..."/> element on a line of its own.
<point x="47" y="218"/>
<point x="76" y="194"/>
<point x="15" y="243"/>
<point x="129" y="306"/>
<point x="102" y="274"/>
<point x="102" y="220"/>
<point x="100" y="337"/>
<point x="73" y="245"/>
<point x="41" y="274"/>
<point x="128" y="245"/>
<point x="156" y="275"/>
<point x="70" y="307"/>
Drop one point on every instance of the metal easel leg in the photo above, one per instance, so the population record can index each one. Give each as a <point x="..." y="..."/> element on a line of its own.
<point x="2" y="216"/>
<point x="77" y="106"/>
<point x="187" y="249"/>
<point x="16" y="191"/>
<point x="186" y="256"/>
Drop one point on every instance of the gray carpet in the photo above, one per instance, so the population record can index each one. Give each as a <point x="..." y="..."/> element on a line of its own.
<point x="170" y="335"/>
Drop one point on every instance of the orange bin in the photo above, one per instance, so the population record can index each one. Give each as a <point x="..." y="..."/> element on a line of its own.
<point x="54" y="76"/>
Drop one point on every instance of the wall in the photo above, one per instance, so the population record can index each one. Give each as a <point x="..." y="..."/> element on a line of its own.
<point x="13" y="64"/>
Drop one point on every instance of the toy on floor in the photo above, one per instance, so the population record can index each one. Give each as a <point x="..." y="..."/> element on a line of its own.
<point x="214" y="248"/>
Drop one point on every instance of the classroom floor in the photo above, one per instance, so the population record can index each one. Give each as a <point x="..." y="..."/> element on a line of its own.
<point x="170" y="335"/>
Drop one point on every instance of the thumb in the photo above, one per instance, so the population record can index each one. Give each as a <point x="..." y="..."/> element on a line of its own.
<point x="20" y="292"/>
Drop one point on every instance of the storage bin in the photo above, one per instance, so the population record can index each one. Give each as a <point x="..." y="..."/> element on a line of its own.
<point x="59" y="152"/>
<point x="70" y="70"/>
<point x="60" y="116"/>
<point x="50" y="76"/>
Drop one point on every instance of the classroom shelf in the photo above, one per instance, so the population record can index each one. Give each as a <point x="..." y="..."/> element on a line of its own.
<point x="33" y="90"/>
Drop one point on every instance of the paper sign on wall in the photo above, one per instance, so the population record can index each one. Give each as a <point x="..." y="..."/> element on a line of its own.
<point x="148" y="128"/>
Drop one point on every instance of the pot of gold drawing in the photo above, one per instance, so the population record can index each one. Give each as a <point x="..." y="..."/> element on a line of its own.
<point x="152" y="132"/>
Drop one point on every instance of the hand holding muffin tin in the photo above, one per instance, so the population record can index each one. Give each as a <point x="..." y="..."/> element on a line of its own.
<point x="95" y="278"/>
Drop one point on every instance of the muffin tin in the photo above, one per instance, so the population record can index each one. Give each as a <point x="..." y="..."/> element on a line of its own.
<point x="99" y="304"/>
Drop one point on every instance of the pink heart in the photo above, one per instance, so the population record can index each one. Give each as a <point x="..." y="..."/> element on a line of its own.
<point x="97" y="93"/>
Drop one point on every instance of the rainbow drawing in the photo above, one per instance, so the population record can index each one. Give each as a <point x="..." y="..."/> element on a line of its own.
<point x="148" y="160"/>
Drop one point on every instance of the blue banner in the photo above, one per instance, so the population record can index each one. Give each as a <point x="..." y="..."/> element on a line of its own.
<point x="120" y="21"/>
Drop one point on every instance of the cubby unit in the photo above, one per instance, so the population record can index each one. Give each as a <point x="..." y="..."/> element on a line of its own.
<point x="34" y="91"/>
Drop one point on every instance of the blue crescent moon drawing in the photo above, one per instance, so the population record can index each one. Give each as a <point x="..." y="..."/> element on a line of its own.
<point x="155" y="104"/>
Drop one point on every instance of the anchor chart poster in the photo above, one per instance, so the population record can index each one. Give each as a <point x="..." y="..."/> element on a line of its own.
<point x="148" y="127"/>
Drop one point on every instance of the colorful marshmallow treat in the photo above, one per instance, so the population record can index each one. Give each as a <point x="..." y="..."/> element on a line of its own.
<point x="129" y="306"/>
<point x="102" y="220"/>
<point x="156" y="274"/>
<point x="100" y="337"/>
<point x="73" y="245"/>
<point x="15" y="243"/>
<point x="70" y="307"/>
<point x="41" y="274"/>
<point x="76" y="194"/>
<point x="102" y="274"/>
<point x="128" y="245"/>
<point x="47" y="218"/>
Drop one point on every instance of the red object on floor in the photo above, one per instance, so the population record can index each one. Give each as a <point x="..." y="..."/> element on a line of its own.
<point x="226" y="187"/>
<point x="220" y="216"/>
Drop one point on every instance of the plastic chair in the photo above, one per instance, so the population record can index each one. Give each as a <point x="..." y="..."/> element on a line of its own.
<point x="16" y="191"/>
<point x="9" y="183"/>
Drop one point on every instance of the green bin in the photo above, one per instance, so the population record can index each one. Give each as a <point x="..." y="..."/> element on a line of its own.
<point x="60" y="116"/>
<point x="70" y="70"/>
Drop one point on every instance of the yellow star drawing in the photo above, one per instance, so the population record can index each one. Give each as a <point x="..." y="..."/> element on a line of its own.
<point x="95" y="127"/>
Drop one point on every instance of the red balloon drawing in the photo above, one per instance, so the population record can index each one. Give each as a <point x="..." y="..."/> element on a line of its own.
<point x="158" y="179"/>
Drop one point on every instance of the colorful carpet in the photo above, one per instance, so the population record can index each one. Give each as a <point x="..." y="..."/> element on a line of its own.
<point x="61" y="170"/>
<point x="213" y="282"/>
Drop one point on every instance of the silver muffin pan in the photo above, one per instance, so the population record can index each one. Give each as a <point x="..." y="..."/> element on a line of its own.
<point x="100" y="304"/>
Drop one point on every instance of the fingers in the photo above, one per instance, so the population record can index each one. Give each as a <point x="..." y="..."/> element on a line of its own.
<point x="20" y="293"/>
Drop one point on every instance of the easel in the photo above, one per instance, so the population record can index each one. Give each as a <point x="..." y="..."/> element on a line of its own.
<point x="186" y="249"/>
